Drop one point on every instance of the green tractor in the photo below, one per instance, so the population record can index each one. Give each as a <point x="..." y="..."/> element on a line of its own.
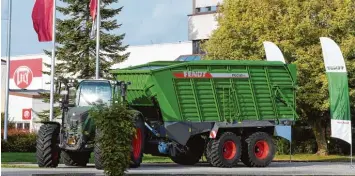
<point x="73" y="139"/>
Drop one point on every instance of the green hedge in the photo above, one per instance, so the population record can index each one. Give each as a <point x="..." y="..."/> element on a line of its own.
<point x="18" y="141"/>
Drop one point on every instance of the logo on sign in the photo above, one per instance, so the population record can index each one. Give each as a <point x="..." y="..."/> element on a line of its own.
<point x="23" y="77"/>
<point x="26" y="114"/>
<point x="194" y="74"/>
<point x="335" y="67"/>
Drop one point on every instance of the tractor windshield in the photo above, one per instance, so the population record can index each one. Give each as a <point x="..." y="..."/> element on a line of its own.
<point x="90" y="92"/>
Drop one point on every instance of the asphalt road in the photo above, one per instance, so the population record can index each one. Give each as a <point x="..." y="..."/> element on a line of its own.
<point x="276" y="168"/>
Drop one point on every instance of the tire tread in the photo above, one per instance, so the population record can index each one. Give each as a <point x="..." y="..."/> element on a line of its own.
<point x="46" y="144"/>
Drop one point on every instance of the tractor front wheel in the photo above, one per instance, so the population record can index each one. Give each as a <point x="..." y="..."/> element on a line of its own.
<point x="47" y="149"/>
<point x="258" y="150"/>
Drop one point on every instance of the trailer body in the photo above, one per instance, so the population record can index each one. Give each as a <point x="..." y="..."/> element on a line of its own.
<point x="214" y="91"/>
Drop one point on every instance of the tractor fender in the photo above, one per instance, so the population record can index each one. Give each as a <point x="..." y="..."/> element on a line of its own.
<point x="51" y="122"/>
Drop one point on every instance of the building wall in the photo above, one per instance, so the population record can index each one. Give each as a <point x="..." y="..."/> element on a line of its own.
<point x="202" y="22"/>
<point x="201" y="26"/>
<point x="16" y="104"/>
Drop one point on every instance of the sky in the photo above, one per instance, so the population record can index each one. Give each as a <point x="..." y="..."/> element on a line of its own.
<point x="144" y="22"/>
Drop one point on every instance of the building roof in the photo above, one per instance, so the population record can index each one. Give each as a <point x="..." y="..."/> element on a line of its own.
<point x="28" y="93"/>
<point x="190" y="57"/>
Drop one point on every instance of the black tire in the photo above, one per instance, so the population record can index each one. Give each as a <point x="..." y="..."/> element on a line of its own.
<point x="262" y="157"/>
<point x="217" y="156"/>
<point x="137" y="153"/>
<point x="97" y="153"/>
<point x="47" y="149"/>
<point x="208" y="150"/>
<point x="194" y="153"/>
<point x="75" y="158"/>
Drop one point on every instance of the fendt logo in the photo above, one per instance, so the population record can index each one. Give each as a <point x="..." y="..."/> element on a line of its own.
<point x="23" y="77"/>
<point x="194" y="74"/>
<point x="202" y="74"/>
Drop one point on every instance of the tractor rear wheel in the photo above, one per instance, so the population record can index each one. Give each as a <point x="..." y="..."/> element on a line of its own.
<point x="47" y="149"/>
<point x="138" y="142"/>
<point x="225" y="151"/>
<point x="75" y="158"/>
<point x="258" y="150"/>
<point x="194" y="153"/>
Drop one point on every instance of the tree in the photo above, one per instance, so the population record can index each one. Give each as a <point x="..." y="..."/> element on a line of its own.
<point x="76" y="51"/>
<point x="295" y="26"/>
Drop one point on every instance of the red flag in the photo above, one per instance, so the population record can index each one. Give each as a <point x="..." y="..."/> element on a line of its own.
<point x="42" y="18"/>
<point x="93" y="6"/>
<point x="93" y="12"/>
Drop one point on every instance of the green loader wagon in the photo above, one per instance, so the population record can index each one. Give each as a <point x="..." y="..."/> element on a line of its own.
<point x="227" y="110"/>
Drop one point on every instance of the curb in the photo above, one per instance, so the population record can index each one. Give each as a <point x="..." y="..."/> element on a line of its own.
<point x="285" y="161"/>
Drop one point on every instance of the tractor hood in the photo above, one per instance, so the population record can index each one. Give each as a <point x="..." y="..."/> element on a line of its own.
<point x="79" y="128"/>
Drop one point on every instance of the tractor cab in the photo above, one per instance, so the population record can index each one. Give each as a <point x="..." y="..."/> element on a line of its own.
<point x="90" y="92"/>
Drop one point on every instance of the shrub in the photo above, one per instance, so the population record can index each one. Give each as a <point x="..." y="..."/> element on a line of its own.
<point x="116" y="126"/>
<point x="18" y="141"/>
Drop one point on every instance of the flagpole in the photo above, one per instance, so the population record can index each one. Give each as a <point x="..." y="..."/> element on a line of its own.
<point x="53" y="63"/>
<point x="8" y="69"/>
<point x="98" y="21"/>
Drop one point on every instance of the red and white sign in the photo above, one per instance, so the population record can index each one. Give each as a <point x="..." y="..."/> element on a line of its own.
<point x="24" y="73"/>
<point x="202" y="74"/>
<point x="26" y="114"/>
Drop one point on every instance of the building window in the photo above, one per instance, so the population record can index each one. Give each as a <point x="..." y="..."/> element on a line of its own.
<point x="206" y="9"/>
<point x="196" y="47"/>
<point x="19" y="126"/>
<point x="23" y="126"/>
<point x="27" y="126"/>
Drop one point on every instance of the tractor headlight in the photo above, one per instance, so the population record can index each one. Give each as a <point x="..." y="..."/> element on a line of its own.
<point x="71" y="140"/>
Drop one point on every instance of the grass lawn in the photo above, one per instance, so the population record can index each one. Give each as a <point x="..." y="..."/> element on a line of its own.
<point x="30" y="157"/>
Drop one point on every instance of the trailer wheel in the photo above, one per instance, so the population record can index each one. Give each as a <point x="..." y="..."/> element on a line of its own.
<point x="193" y="154"/>
<point x="97" y="153"/>
<point x="138" y="142"/>
<point x="225" y="151"/>
<point x="75" y="158"/>
<point x="259" y="150"/>
<point x="47" y="149"/>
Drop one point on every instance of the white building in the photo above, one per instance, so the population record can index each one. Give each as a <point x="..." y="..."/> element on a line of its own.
<point x="202" y="22"/>
<point x="27" y="79"/>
